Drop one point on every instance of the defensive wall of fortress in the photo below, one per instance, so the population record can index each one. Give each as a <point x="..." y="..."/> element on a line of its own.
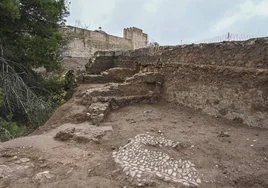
<point x="84" y="43"/>
<point x="228" y="79"/>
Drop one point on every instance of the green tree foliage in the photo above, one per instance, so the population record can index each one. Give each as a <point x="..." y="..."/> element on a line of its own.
<point x="29" y="31"/>
<point x="9" y="11"/>
<point x="30" y="38"/>
<point x="56" y="87"/>
<point x="8" y="129"/>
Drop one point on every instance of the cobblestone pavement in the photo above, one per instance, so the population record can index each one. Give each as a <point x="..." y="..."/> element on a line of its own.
<point x="143" y="165"/>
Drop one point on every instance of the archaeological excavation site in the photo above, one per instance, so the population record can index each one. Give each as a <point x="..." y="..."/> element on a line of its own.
<point x="165" y="117"/>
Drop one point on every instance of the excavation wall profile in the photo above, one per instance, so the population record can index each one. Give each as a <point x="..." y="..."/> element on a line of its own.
<point x="228" y="79"/>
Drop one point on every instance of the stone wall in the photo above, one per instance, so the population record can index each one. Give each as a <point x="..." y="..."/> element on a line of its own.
<point x="228" y="79"/>
<point x="84" y="43"/>
<point x="100" y="62"/>
<point x="136" y="35"/>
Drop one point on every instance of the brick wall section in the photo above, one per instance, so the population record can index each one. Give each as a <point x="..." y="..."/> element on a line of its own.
<point x="228" y="79"/>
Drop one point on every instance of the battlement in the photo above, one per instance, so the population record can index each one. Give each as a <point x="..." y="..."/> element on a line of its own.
<point x="136" y="35"/>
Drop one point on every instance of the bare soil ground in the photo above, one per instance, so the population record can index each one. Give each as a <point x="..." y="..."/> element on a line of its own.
<point x="238" y="159"/>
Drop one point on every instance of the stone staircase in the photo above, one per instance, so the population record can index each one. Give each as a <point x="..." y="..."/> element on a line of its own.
<point x="116" y="75"/>
<point x="119" y="87"/>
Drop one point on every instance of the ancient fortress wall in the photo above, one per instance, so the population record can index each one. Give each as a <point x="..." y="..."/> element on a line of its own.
<point x="136" y="35"/>
<point x="228" y="79"/>
<point x="84" y="43"/>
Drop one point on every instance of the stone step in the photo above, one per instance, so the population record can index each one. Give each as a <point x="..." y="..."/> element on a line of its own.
<point x="139" y="88"/>
<point x="101" y="106"/>
<point x="117" y="102"/>
<point x="124" y="89"/>
<point x="115" y="75"/>
<point x="147" y="77"/>
<point x="95" y="79"/>
<point x="94" y="112"/>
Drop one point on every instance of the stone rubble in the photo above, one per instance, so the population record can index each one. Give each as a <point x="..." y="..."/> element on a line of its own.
<point x="42" y="176"/>
<point x="97" y="112"/>
<point x="143" y="165"/>
<point x="82" y="134"/>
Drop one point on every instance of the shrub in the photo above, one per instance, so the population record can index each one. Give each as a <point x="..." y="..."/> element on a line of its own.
<point x="56" y="87"/>
<point x="10" y="130"/>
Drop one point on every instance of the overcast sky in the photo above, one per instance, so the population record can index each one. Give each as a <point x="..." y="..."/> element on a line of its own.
<point x="170" y="21"/>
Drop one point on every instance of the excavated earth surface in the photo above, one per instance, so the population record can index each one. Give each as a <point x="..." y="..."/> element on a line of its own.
<point x="101" y="139"/>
